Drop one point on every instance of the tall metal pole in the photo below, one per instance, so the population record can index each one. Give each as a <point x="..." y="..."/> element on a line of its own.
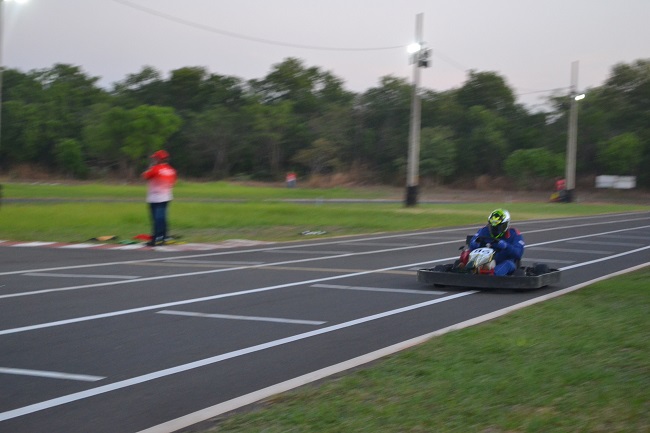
<point x="414" y="134"/>
<point x="571" y="148"/>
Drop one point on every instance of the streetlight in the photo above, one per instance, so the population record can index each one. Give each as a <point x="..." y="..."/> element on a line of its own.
<point x="1" y="49"/>
<point x="419" y="59"/>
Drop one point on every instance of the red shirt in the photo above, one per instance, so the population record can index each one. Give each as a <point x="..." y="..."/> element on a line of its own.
<point x="162" y="178"/>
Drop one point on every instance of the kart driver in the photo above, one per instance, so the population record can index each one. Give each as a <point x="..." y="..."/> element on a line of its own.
<point x="507" y="242"/>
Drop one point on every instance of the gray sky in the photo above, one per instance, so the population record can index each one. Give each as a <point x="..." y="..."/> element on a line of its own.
<point x="532" y="43"/>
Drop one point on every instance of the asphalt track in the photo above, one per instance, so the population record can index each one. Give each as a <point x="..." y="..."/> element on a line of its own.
<point x="154" y="341"/>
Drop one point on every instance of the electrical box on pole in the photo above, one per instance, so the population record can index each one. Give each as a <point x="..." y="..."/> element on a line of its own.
<point x="424" y="58"/>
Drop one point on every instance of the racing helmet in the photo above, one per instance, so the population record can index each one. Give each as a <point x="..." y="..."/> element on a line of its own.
<point x="499" y="222"/>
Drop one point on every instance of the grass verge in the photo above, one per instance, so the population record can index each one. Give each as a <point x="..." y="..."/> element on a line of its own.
<point x="217" y="211"/>
<point x="578" y="363"/>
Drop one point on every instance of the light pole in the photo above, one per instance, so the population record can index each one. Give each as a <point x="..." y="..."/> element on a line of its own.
<point x="420" y="59"/>
<point x="572" y="146"/>
<point x="2" y="2"/>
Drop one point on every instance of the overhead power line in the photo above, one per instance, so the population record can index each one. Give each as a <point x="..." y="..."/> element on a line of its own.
<point x="557" y="89"/>
<point x="450" y="61"/>
<point x="245" y="37"/>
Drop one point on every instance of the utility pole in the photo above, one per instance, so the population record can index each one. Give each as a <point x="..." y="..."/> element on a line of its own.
<point x="571" y="147"/>
<point x="420" y="59"/>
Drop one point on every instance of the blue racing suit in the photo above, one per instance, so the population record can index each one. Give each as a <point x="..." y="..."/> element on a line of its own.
<point x="509" y="248"/>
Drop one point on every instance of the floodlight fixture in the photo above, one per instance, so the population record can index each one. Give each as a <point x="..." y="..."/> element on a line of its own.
<point x="413" y="48"/>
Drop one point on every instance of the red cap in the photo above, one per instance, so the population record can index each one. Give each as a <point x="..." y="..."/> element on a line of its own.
<point x="160" y="155"/>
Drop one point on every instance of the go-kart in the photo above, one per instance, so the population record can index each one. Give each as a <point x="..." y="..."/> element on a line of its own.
<point x="476" y="269"/>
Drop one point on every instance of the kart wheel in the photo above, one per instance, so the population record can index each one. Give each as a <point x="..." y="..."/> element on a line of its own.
<point x="540" y="269"/>
<point x="519" y="272"/>
<point x="439" y="268"/>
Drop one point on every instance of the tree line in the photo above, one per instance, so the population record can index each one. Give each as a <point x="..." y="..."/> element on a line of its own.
<point x="301" y="118"/>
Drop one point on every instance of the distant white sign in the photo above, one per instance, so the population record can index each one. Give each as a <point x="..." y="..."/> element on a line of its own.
<point x="616" y="182"/>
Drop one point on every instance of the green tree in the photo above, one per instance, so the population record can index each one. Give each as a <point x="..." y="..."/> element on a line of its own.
<point x="146" y="87"/>
<point x="69" y="158"/>
<point x="321" y="157"/>
<point x="127" y="137"/>
<point x="210" y="138"/>
<point x="620" y="155"/>
<point x="484" y="145"/>
<point x="104" y="134"/>
<point x="289" y="81"/>
<point x="438" y="153"/>
<point x="385" y="112"/>
<point x="148" y="129"/>
<point x="487" y="89"/>
<point x="531" y="166"/>
<point x="46" y="106"/>
<point x="67" y="95"/>
<point x="627" y="95"/>
<point x="188" y="90"/>
<point x="270" y="125"/>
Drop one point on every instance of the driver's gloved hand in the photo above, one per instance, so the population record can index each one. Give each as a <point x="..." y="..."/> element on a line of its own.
<point x="501" y="245"/>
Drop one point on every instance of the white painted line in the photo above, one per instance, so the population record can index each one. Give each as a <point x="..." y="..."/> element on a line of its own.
<point x="377" y="289"/>
<point x="534" y="260"/>
<point x="233" y="317"/>
<point x="568" y="250"/>
<point x="383" y="244"/>
<point x="81" y="246"/>
<point x="632" y="237"/>
<point x="34" y="244"/>
<point x="615" y="256"/>
<point x="245" y="400"/>
<point x="50" y="374"/>
<point x="48" y="404"/>
<point x="111" y="277"/>
<point x="307" y="252"/>
<point x="211" y="262"/>
<point x="616" y="244"/>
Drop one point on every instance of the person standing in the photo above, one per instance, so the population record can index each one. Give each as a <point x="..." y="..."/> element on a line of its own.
<point x="160" y="178"/>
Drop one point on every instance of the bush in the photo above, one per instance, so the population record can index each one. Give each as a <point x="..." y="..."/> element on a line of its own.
<point x="529" y="166"/>
<point x="69" y="158"/>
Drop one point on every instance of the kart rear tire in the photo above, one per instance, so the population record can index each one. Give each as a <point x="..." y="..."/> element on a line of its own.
<point x="540" y="269"/>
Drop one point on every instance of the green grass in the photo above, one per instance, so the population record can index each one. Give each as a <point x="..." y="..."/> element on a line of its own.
<point x="578" y="363"/>
<point x="209" y="212"/>
<point x="183" y="190"/>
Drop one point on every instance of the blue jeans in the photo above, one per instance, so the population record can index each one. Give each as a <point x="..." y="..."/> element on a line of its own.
<point x="159" y="221"/>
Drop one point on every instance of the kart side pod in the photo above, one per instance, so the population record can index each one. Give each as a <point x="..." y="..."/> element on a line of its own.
<point x="524" y="278"/>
